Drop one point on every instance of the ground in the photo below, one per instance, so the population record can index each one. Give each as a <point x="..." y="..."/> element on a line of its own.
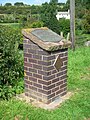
<point x="76" y="108"/>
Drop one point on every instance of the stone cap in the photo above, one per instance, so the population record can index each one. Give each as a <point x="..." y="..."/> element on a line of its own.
<point x="46" y="38"/>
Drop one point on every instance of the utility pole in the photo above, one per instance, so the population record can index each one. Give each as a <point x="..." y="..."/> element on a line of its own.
<point x="72" y="23"/>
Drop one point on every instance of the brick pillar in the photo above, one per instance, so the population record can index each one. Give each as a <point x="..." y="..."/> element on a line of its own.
<point x="42" y="81"/>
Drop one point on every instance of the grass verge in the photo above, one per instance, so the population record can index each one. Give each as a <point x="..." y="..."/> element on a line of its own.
<point x="76" y="108"/>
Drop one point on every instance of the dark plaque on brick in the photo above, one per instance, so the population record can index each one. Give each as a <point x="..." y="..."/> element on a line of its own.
<point x="58" y="63"/>
<point x="47" y="35"/>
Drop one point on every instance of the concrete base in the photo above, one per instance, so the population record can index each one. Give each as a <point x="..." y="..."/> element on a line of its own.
<point x="50" y="106"/>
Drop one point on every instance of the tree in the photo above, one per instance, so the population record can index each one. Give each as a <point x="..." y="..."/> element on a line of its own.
<point x="48" y="16"/>
<point x="8" y="4"/>
<point x="19" y="4"/>
<point x="86" y="22"/>
<point x="54" y="1"/>
<point x="64" y="25"/>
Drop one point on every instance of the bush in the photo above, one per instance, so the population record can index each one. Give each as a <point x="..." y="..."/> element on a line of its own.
<point x="37" y="24"/>
<point x="86" y="23"/>
<point x="64" y="25"/>
<point x="11" y="64"/>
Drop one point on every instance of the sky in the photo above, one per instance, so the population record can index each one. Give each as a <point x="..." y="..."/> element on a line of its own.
<point x="31" y="2"/>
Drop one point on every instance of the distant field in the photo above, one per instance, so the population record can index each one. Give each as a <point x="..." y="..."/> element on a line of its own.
<point x="16" y="25"/>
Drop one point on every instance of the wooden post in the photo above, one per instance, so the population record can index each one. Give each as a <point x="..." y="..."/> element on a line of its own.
<point x="72" y="23"/>
<point x="61" y="34"/>
<point x="68" y="36"/>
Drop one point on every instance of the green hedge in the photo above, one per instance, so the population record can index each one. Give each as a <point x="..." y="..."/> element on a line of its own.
<point x="11" y="62"/>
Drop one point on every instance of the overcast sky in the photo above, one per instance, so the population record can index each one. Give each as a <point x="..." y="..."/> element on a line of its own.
<point x="28" y="1"/>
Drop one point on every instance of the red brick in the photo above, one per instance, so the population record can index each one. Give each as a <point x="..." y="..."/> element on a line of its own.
<point x="60" y="73"/>
<point x="32" y="51"/>
<point x="48" y="87"/>
<point x="60" y="91"/>
<point x="44" y="63"/>
<point x="64" y="93"/>
<point x="43" y="53"/>
<point x="32" y="60"/>
<point x="51" y="96"/>
<point x="65" y="58"/>
<point x="26" y="85"/>
<point x="32" y="70"/>
<point x="37" y="85"/>
<point x="25" y="68"/>
<point x="25" y="59"/>
<point x="25" y="77"/>
<point x="65" y="89"/>
<point x="66" y="53"/>
<point x="54" y="71"/>
<point x="55" y="89"/>
<point x="33" y="88"/>
<point x="33" y="79"/>
<point x="39" y="57"/>
<point x="37" y="66"/>
<point x="48" y="77"/>
<point x="64" y="85"/>
<point x="26" y="46"/>
<point x="55" y="80"/>
<point x="44" y="82"/>
<point x="65" y="72"/>
<point x="64" y="68"/>
<point x="44" y="92"/>
<point x="34" y="46"/>
<point x="61" y="55"/>
<point x="37" y="76"/>
<point x="63" y="77"/>
<point x="25" y="50"/>
<point x="49" y="58"/>
<point x="28" y="82"/>
<point x="44" y="72"/>
<point x="25" y="41"/>
<point x="65" y="81"/>
<point x="28" y="55"/>
<point x="59" y="83"/>
<point x="28" y="74"/>
<point x="48" y="68"/>
<point x="27" y="64"/>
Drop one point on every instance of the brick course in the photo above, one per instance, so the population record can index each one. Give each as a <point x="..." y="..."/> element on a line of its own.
<point x="42" y="81"/>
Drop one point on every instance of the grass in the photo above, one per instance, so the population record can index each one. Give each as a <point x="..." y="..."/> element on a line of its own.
<point x="81" y="38"/>
<point x="14" y="25"/>
<point x="76" y="108"/>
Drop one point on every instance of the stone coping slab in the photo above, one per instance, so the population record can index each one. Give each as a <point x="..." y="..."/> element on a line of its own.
<point x="46" y="38"/>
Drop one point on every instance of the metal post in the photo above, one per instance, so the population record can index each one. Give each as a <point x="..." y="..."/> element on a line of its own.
<point x="72" y="23"/>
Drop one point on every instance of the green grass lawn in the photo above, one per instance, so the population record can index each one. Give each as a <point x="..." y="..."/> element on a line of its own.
<point x="76" y="108"/>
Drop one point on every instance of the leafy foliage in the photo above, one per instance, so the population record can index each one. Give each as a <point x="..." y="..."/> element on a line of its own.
<point x="37" y="24"/>
<point x="8" y="4"/>
<point x="86" y="22"/>
<point x="64" y="25"/>
<point x="11" y="64"/>
<point x="48" y="16"/>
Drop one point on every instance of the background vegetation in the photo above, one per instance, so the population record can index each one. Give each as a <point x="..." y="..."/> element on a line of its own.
<point x="11" y="62"/>
<point x="13" y="18"/>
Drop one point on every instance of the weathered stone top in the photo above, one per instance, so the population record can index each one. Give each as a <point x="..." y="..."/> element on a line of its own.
<point x="46" y="38"/>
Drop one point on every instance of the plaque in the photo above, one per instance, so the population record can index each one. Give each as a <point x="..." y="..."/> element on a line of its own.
<point x="47" y="35"/>
<point x="58" y="63"/>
